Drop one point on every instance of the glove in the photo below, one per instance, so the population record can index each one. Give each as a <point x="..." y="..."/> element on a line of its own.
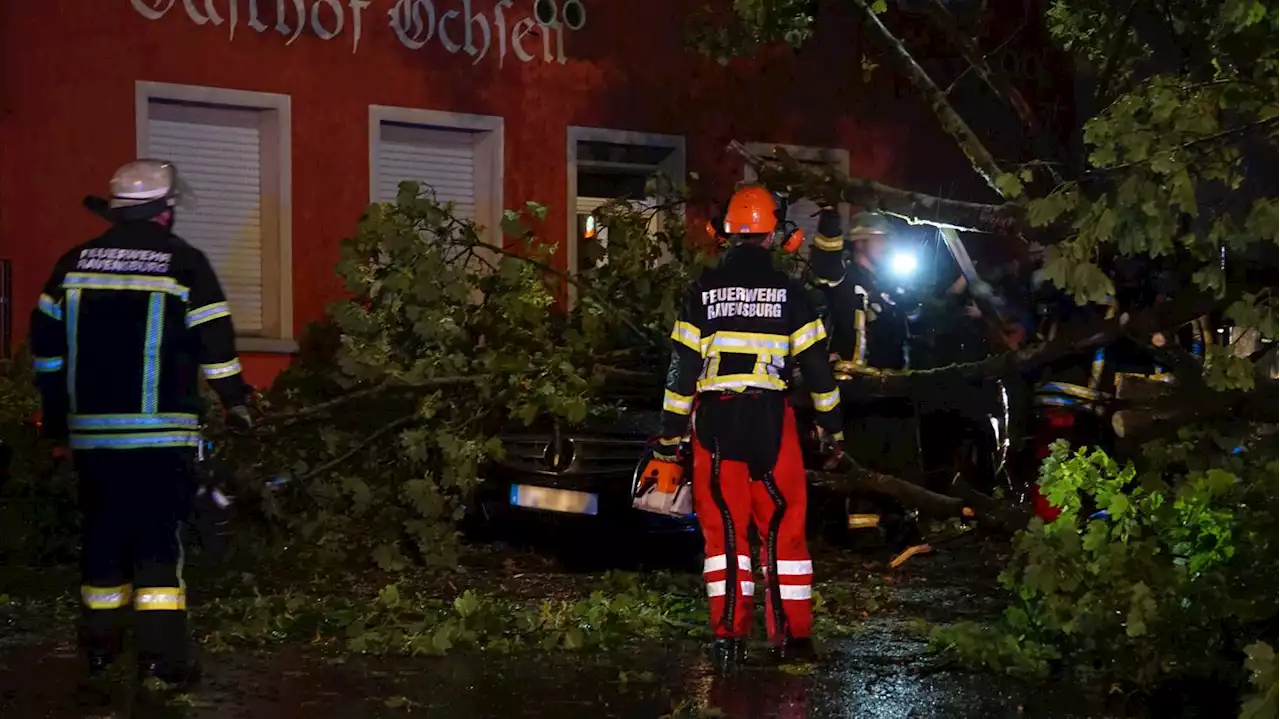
<point x="239" y="419"/>
<point x="670" y="449"/>
<point x="829" y="223"/>
<point x="833" y="447"/>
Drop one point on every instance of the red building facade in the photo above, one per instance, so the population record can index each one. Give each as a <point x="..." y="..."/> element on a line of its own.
<point x="289" y="116"/>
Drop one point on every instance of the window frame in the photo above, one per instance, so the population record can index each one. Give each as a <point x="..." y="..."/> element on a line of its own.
<point x="490" y="156"/>
<point x="276" y="170"/>
<point x="675" y="166"/>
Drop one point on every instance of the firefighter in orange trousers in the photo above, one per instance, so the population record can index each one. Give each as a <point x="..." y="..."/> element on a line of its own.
<point x="742" y="329"/>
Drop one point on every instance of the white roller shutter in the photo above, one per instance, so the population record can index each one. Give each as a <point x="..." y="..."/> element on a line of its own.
<point x="218" y="153"/>
<point x="445" y="160"/>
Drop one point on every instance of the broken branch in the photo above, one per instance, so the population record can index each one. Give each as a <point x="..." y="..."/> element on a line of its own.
<point x="998" y="82"/>
<point x="979" y="156"/>
<point x="914" y="207"/>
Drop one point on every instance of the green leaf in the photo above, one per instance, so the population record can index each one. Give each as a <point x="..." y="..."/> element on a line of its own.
<point x="389" y="596"/>
<point x="1009" y="185"/>
<point x="467" y="604"/>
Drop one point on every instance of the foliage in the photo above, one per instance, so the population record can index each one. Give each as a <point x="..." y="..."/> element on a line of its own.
<point x="1264" y="675"/>
<point x="1173" y="166"/>
<point x="619" y="609"/>
<point x="447" y="339"/>
<point x="1156" y="572"/>
<point x="37" y="499"/>
<point x="616" y="610"/>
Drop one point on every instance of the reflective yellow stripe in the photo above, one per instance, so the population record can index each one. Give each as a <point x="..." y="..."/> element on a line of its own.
<point x="1068" y="389"/>
<point x="160" y="599"/>
<point x="105" y="597"/>
<point x="830" y="244"/>
<point x="671" y="441"/>
<point x="739" y="382"/>
<point x="745" y="343"/>
<point x="686" y="334"/>
<point x="826" y="401"/>
<point x="141" y="283"/>
<point x="208" y="313"/>
<point x="859" y="337"/>
<point x="50" y="307"/>
<point x="863" y="521"/>
<point x="677" y="403"/>
<point x="807" y="336"/>
<point x="221" y="370"/>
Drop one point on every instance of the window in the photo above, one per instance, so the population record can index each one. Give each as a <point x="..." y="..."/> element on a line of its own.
<point x="803" y="211"/>
<point x="609" y="164"/>
<point x="232" y="149"/>
<point x="458" y="156"/>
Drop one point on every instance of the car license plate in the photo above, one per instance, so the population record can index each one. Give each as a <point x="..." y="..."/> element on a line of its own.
<point x="554" y="500"/>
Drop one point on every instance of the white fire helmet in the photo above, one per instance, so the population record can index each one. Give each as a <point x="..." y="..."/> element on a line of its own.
<point x="145" y="181"/>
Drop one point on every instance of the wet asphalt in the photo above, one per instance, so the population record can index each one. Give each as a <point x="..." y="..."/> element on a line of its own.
<point x="882" y="671"/>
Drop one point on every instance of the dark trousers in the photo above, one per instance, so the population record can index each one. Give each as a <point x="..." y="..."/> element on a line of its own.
<point x="133" y="503"/>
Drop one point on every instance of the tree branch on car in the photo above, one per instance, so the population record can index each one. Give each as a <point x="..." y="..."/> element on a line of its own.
<point x="914" y="207"/>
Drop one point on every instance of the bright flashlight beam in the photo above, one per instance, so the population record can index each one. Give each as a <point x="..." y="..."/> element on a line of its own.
<point x="903" y="264"/>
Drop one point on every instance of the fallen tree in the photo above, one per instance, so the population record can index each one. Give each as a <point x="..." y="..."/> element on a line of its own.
<point x="1162" y="569"/>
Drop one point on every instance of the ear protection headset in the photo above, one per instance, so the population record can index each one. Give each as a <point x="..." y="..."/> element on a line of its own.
<point x="786" y="235"/>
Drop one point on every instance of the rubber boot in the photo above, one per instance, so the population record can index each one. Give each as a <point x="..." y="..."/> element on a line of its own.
<point x="728" y="654"/>
<point x="796" y="651"/>
<point x="160" y="676"/>
<point x="94" y="687"/>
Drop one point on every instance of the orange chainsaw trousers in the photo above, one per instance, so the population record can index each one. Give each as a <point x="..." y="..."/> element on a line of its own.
<point x="728" y="501"/>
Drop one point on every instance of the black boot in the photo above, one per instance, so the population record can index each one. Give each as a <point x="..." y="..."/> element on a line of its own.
<point x="159" y="675"/>
<point x="796" y="651"/>
<point x="94" y="687"/>
<point x="728" y="654"/>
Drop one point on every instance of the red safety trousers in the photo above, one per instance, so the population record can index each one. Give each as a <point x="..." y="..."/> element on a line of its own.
<point x="726" y="501"/>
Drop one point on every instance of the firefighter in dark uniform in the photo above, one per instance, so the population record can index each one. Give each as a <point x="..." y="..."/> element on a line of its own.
<point x="869" y="333"/>
<point x="741" y="330"/>
<point x="126" y="326"/>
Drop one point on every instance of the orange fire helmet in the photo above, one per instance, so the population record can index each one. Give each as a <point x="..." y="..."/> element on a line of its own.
<point x="751" y="211"/>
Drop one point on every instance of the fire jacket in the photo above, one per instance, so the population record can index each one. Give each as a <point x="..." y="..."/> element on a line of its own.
<point x="855" y="302"/>
<point x="742" y="328"/>
<point x="125" y="326"/>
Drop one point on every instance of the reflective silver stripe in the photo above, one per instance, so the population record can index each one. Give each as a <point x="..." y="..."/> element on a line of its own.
<point x="105" y="597"/>
<point x="795" y="591"/>
<point x="742" y="381"/>
<point x="722" y="341"/>
<point x="794" y="567"/>
<point x="748" y="589"/>
<point x="807" y="336"/>
<point x="826" y="401"/>
<point x="720" y="561"/>
<point x="716" y="589"/>
<point x="687" y="335"/>
<point x="678" y="403"/>
<point x="221" y="370"/>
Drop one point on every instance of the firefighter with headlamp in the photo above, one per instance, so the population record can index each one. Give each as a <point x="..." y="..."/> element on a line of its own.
<point x="740" y="330"/>
<point x="125" y="327"/>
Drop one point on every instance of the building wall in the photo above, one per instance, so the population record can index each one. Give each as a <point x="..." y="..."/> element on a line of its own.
<point x="69" y="69"/>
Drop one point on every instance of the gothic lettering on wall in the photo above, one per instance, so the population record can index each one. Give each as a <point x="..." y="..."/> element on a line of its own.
<point x="479" y="28"/>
